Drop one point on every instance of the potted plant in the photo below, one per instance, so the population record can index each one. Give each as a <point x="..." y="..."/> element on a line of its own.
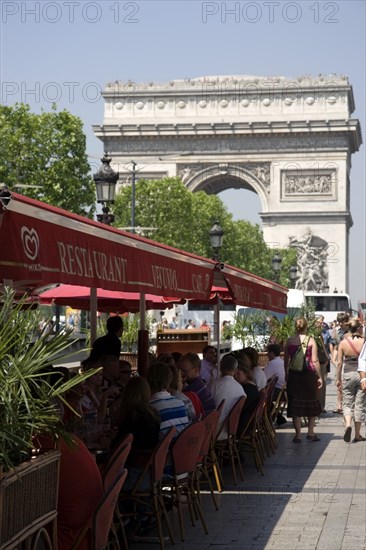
<point x="249" y="329"/>
<point x="28" y="487"/>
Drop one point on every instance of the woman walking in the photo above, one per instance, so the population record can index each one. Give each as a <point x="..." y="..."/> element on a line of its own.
<point x="303" y="385"/>
<point x="347" y="378"/>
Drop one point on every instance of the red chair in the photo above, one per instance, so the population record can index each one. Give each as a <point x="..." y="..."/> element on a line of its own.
<point x="184" y="456"/>
<point x="152" y="497"/>
<point x="97" y="529"/>
<point x="116" y="461"/>
<point x="112" y="468"/>
<point x="228" y="446"/>
<point x="211" y="423"/>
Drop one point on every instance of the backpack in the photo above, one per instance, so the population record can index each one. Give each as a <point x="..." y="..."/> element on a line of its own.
<point x="299" y="362"/>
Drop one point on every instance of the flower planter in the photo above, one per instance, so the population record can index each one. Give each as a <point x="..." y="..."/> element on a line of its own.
<point x="28" y="503"/>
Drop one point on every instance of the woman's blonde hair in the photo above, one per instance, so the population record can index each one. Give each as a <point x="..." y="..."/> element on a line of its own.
<point x="301" y="324"/>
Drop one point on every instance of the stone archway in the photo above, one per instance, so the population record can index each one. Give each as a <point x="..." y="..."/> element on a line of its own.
<point x="215" y="178"/>
<point x="289" y="141"/>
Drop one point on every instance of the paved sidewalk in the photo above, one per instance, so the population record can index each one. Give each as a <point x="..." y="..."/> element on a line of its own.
<point x="312" y="497"/>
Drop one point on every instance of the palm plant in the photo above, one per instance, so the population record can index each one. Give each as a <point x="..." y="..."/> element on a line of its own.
<point x="27" y="398"/>
<point x="250" y="329"/>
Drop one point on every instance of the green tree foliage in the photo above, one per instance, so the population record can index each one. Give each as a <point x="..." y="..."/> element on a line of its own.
<point x="183" y="219"/>
<point x="47" y="150"/>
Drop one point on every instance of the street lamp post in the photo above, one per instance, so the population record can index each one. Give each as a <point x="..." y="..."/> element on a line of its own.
<point x="105" y="182"/>
<point x="133" y="196"/>
<point x="276" y="266"/>
<point x="216" y="236"/>
<point x="293" y="276"/>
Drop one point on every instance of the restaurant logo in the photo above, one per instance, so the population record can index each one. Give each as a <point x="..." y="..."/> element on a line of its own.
<point x="30" y="241"/>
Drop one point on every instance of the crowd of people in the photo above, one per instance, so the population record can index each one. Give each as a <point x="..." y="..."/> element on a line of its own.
<point x="181" y="389"/>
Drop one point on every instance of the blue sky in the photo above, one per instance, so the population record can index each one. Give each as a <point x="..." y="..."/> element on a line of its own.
<point x="69" y="50"/>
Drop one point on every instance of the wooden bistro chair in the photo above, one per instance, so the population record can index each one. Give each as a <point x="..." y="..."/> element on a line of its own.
<point x="184" y="455"/>
<point x="212" y="461"/>
<point x="110" y="471"/>
<point x="210" y="422"/>
<point x="152" y="497"/>
<point x="96" y="531"/>
<point x="281" y="402"/>
<point x="250" y="438"/>
<point x="227" y="446"/>
<point x="269" y="431"/>
<point x="116" y="461"/>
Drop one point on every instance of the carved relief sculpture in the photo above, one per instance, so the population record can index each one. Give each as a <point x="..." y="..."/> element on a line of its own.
<point x="312" y="259"/>
<point x="308" y="182"/>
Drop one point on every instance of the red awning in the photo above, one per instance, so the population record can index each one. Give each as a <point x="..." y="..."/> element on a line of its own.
<point x="253" y="291"/>
<point x="78" y="297"/>
<point x="42" y="244"/>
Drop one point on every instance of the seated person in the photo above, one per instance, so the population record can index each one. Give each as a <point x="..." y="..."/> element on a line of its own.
<point x="209" y="371"/>
<point x="251" y="357"/>
<point x="138" y="417"/>
<point x="227" y="388"/>
<point x="276" y="367"/>
<point x="189" y="366"/>
<point x="171" y="410"/>
<point x="175" y="388"/>
<point x="111" y="377"/>
<point x="244" y="375"/>
<point x="94" y="400"/>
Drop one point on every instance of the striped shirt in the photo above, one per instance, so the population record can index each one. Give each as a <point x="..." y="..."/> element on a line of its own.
<point x="200" y="387"/>
<point x="172" y="412"/>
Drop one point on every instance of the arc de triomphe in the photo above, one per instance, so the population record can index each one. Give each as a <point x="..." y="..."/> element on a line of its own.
<point x="289" y="141"/>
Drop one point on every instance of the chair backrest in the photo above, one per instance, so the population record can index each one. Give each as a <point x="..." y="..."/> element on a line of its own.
<point x="116" y="461"/>
<point x="186" y="448"/>
<point x="219" y="409"/>
<point x="220" y="406"/>
<point x="271" y="384"/>
<point x="234" y="415"/>
<point x="260" y="408"/>
<point x="103" y="515"/>
<point x="258" y="411"/>
<point x="210" y="422"/>
<point x="160" y="455"/>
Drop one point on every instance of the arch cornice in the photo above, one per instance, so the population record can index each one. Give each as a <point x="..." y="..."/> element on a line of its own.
<point x="252" y="175"/>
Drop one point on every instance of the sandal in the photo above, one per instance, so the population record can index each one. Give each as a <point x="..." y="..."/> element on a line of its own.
<point x="360" y="438"/>
<point x="347" y="434"/>
<point x="296" y="440"/>
<point x="312" y="438"/>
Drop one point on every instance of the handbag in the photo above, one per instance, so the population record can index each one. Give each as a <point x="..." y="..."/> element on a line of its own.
<point x="299" y="363"/>
<point x="362" y="359"/>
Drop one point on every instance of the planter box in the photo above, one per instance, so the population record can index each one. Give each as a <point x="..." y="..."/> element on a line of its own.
<point x="28" y="501"/>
